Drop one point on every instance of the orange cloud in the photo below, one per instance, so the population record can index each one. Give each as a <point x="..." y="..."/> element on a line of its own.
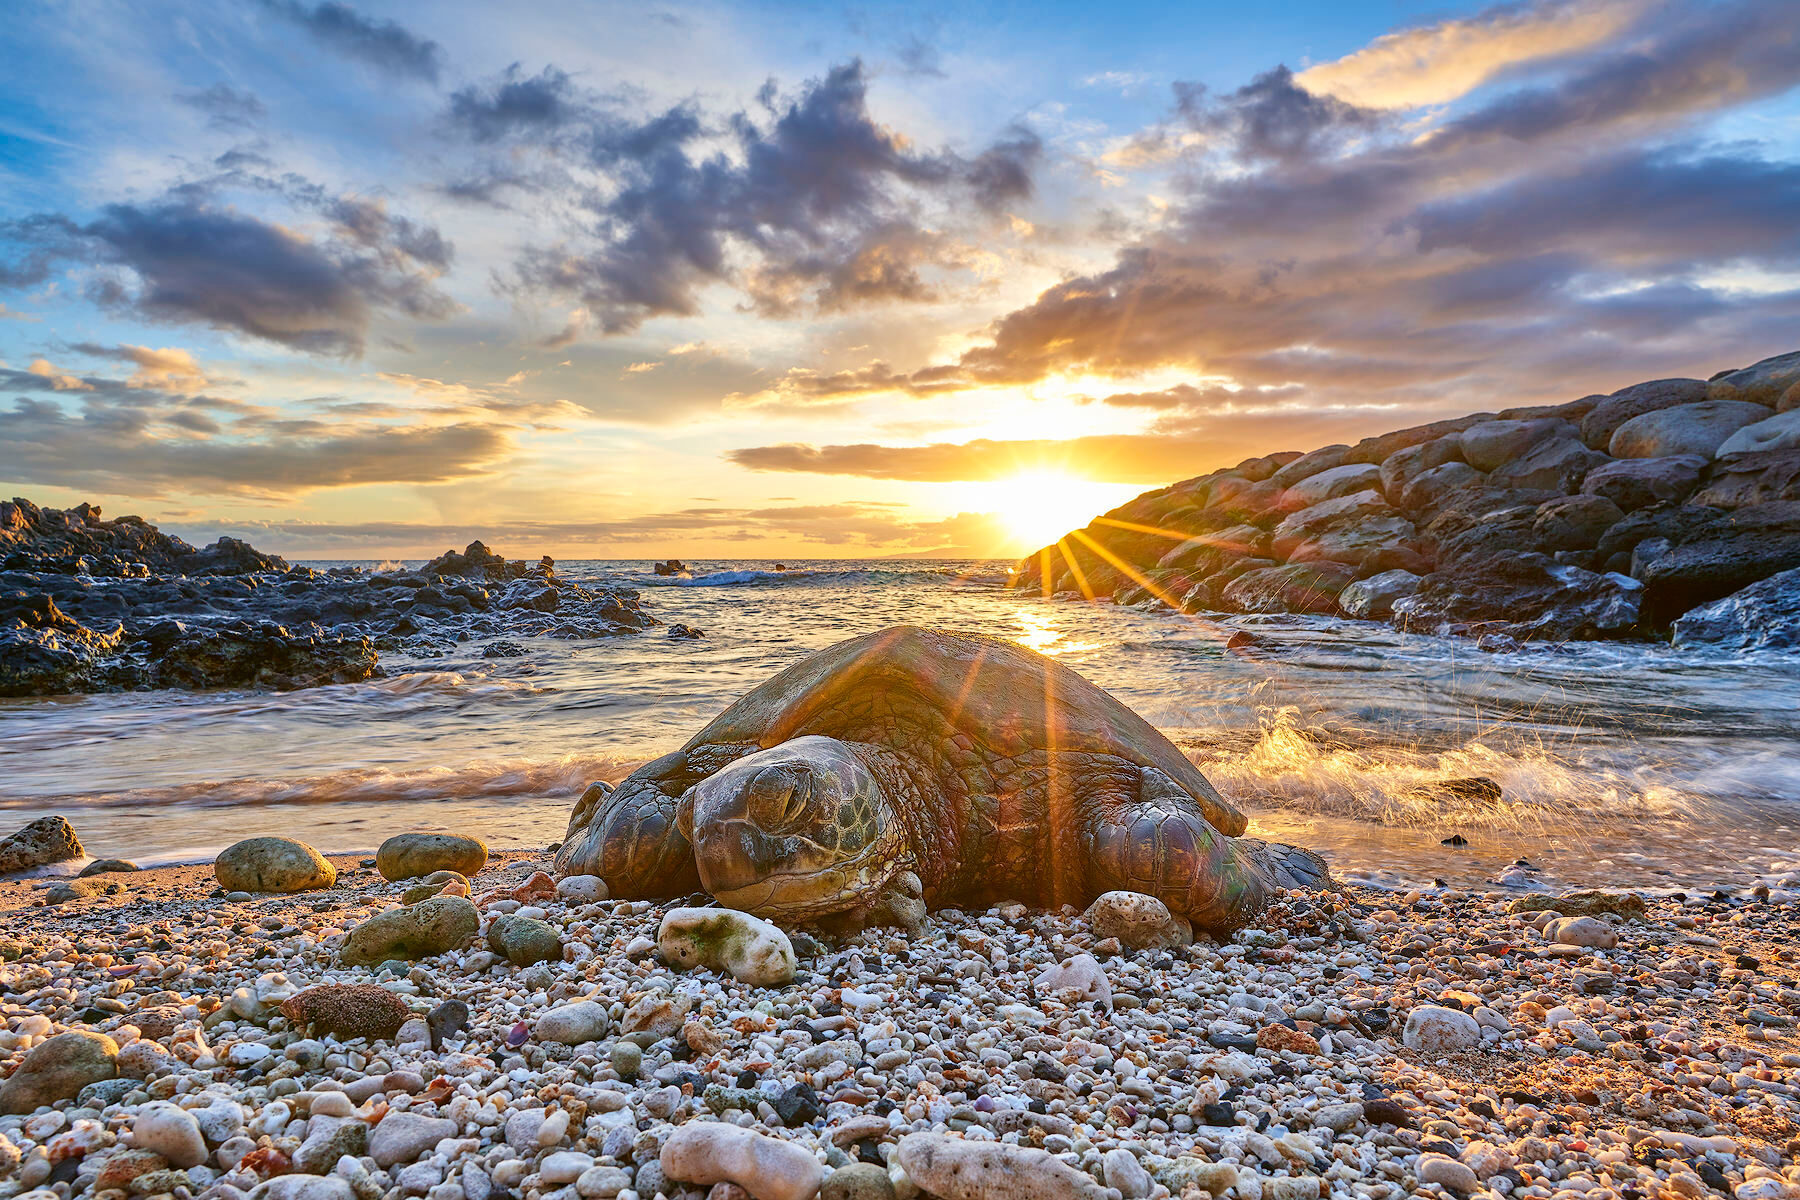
<point x="1434" y="64"/>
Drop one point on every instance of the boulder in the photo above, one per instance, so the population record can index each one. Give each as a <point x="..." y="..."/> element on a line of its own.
<point x="1553" y="465"/>
<point x="1491" y="445"/>
<point x="1773" y="382"/>
<point x="1406" y="465"/>
<point x="1605" y="417"/>
<point x="1526" y="595"/>
<point x="347" y="1010"/>
<point x="1780" y="432"/>
<point x="709" y="1152"/>
<point x="1482" y="531"/>
<point x="57" y="1069"/>
<point x="1140" y="922"/>
<point x="1295" y="588"/>
<point x="1331" y="483"/>
<point x="408" y="855"/>
<point x="1359" y="530"/>
<point x="1258" y="469"/>
<point x="421" y="930"/>
<point x="951" y="1168"/>
<point x="1428" y="489"/>
<point x="272" y="864"/>
<point x="747" y="948"/>
<point x="1763" y="616"/>
<point x="44" y="841"/>
<point x="1574" y="522"/>
<point x="1715" y="553"/>
<point x="1309" y="464"/>
<point x="1684" y="429"/>
<point x="1634" y="483"/>
<point x="1742" y="480"/>
<point x="1384" y="447"/>
<point x="1235" y="502"/>
<point x="1367" y="545"/>
<point x="1210" y="552"/>
<point x="1373" y="599"/>
<point x="1438" y="1030"/>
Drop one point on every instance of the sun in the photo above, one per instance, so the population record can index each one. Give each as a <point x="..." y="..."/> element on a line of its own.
<point x="1037" y="507"/>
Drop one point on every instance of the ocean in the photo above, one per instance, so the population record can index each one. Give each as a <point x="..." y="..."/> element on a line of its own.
<point x="1617" y="763"/>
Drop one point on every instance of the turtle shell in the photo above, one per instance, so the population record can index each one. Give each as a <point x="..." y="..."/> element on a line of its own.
<point x="1004" y="699"/>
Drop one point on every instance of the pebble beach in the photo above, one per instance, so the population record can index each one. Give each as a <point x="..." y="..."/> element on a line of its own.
<point x="1355" y="1043"/>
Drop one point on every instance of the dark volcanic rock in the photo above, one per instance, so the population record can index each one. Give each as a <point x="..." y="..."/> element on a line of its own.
<point x="1633" y="483"/>
<point x="1713" y="556"/>
<point x="1759" y="477"/>
<point x="1296" y="588"/>
<point x="89" y="605"/>
<point x="1526" y="596"/>
<point x="1763" y="616"/>
<point x="1512" y="526"/>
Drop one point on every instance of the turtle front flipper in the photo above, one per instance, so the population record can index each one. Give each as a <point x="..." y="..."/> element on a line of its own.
<point x="629" y="835"/>
<point x="1158" y="844"/>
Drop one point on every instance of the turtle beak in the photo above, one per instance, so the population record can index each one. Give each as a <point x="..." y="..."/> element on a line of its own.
<point x="733" y="854"/>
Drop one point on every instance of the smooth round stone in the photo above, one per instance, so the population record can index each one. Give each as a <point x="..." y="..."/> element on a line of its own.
<point x="858" y="1181"/>
<point x="627" y="1059"/>
<point x="272" y="864"/>
<point x="525" y="940"/>
<point x="407" y="855"/>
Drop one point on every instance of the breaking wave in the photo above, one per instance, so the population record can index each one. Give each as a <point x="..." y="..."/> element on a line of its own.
<point x="482" y="779"/>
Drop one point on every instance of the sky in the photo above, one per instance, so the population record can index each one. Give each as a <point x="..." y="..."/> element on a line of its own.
<point x="354" y="279"/>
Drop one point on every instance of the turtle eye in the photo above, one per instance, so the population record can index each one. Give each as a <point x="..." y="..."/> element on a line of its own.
<point x="778" y="796"/>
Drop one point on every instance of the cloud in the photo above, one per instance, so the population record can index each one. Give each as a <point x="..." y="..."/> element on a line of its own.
<point x="385" y="45"/>
<point x="187" y="260"/>
<point x="1117" y="458"/>
<point x="127" y="452"/>
<point x="61" y="381"/>
<point x="1437" y="63"/>
<point x="227" y="109"/>
<point x="808" y="203"/>
<point x="170" y="369"/>
<point x="518" y="104"/>
<point x="1515" y="253"/>
<point x="1272" y="117"/>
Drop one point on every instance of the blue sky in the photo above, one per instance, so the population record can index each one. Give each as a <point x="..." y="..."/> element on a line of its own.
<point x="358" y="279"/>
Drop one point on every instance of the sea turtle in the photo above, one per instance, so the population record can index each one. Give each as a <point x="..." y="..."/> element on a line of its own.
<point x="913" y="768"/>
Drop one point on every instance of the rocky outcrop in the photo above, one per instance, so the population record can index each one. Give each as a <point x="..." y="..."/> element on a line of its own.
<point x="101" y="606"/>
<point x="1606" y="517"/>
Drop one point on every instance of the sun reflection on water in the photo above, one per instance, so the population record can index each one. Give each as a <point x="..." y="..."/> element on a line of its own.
<point x="1038" y="631"/>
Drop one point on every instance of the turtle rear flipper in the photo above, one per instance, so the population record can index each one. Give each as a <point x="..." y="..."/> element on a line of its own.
<point x="1288" y="866"/>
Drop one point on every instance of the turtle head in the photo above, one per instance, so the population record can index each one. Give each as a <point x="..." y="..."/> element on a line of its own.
<point x="801" y="829"/>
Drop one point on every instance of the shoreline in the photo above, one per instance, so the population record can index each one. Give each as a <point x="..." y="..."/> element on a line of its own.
<point x="1275" y="1065"/>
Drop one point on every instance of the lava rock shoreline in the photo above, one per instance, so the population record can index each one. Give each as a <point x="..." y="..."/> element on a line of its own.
<point x="94" y="605"/>
<point x="1665" y="510"/>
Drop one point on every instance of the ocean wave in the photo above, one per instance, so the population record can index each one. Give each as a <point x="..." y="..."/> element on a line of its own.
<point x="562" y="778"/>
<point x="1543" y="786"/>
<point x="725" y="579"/>
<point x="109" y="717"/>
<point x="981" y="576"/>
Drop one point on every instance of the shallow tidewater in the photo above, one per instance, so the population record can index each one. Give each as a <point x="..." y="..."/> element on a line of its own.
<point x="1619" y="763"/>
